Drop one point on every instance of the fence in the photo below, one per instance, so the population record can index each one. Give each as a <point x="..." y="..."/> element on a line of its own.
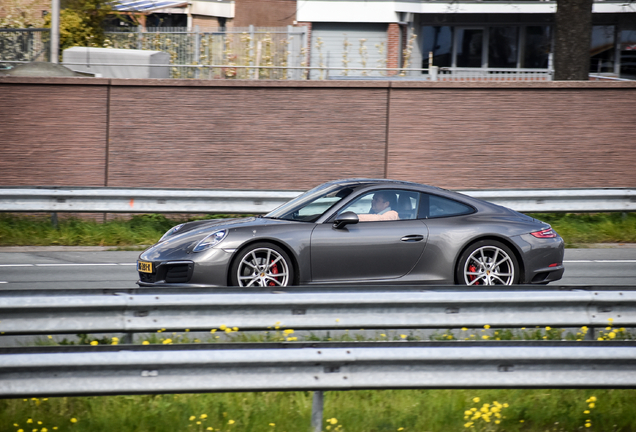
<point x="111" y="200"/>
<point x="128" y="369"/>
<point x="67" y="371"/>
<point x="223" y="53"/>
<point x="320" y="308"/>
<point x="24" y="45"/>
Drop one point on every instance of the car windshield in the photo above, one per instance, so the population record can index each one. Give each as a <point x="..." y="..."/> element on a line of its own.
<point x="309" y="206"/>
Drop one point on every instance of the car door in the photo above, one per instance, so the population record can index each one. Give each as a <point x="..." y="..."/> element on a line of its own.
<point x="369" y="250"/>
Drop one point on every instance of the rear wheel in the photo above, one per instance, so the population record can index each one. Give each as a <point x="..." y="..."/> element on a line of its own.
<point x="487" y="262"/>
<point x="262" y="264"/>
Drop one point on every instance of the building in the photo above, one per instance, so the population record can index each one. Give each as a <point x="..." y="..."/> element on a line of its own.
<point x="469" y="38"/>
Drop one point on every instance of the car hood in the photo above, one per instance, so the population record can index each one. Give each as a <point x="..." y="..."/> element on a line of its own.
<point x="183" y="241"/>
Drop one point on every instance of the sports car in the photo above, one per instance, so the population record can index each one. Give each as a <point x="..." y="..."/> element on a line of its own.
<point x="360" y="231"/>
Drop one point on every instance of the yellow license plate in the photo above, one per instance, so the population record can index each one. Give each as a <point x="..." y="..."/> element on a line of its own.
<point x="144" y="267"/>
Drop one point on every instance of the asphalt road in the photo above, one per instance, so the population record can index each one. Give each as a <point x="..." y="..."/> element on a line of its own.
<point x="60" y="268"/>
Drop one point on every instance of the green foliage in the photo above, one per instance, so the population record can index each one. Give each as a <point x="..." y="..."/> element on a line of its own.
<point x="82" y="22"/>
<point x="530" y="410"/>
<point x="592" y="227"/>
<point x="38" y="231"/>
<point x="148" y="228"/>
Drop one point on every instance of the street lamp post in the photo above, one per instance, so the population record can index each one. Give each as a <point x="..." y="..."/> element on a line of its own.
<point x="55" y="31"/>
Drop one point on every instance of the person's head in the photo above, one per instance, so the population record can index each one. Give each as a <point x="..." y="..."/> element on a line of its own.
<point x="381" y="200"/>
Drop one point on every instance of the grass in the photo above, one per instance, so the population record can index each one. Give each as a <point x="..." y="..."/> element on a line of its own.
<point x="578" y="228"/>
<point x="132" y="234"/>
<point x="348" y="411"/>
<point x="123" y="234"/>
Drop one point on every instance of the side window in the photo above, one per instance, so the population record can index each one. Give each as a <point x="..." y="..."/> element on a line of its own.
<point x="395" y="204"/>
<point x="433" y="206"/>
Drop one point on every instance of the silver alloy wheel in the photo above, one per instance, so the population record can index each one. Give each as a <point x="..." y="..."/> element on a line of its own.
<point x="263" y="267"/>
<point x="489" y="265"/>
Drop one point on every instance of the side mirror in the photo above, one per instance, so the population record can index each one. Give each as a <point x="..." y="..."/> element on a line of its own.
<point x="345" y="219"/>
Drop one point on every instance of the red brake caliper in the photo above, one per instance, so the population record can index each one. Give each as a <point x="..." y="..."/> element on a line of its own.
<point x="274" y="271"/>
<point x="472" y="269"/>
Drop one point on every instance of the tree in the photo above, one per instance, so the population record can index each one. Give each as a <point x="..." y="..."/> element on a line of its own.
<point x="572" y="39"/>
<point x="82" y="22"/>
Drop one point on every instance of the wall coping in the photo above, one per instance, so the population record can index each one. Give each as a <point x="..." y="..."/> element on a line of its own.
<point x="320" y="84"/>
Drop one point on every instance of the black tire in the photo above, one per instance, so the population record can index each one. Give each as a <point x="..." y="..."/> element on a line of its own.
<point x="251" y="267"/>
<point x="475" y="266"/>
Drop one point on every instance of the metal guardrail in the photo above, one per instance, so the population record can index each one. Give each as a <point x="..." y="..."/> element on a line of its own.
<point x="113" y="200"/>
<point x="46" y="314"/>
<point x="162" y="369"/>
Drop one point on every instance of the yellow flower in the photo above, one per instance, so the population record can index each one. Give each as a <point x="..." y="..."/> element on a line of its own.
<point x="213" y="331"/>
<point x="230" y="422"/>
<point x="167" y="341"/>
<point x="145" y="343"/>
<point x="521" y="421"/>
<point x="292" y="339"/>
<point x="612" y="335"/>
<point x="222" y="327"/>
<point x="44" y="430"/>
<point x="383" y="335"/>
<point x="50" y="337"/>
<point x="592" y="405"/>
<point x="187" y="330"/>
<point x="192" y="418"/>
<point x="31" y="421"/>
<point x="486" y="326"/>
<point x="235" y="328"/>
<point x="400" y="429"/>
<point x="204" y="416"/>
<point x="593" y="399"/>
<point x="198" y="422"/>
<point x="73" y="420"/>
<point x="484" y="337"/>
<point x="586" y="412"/>
<point x="588" y="424"/>
<point x="467" y="412"/>
<point x="464" y="329"/>
<point x="333" y="421"/>
<point x="94" y="342"/>
<point x="600" y="338"/>
<point x="272" y="424"/>
<point x="228" y="330"/>
<point x="469" y="424"/>
<point x="476" y="400"/>
<point x="288" y="331"/>
<point x="210" y="428"/>
<point x="548" y="328"/>
<point x="506" y="405"/>
<point x="403" y="336"/>
<point x="608" y="328"/>
<point x="610" y="320"/>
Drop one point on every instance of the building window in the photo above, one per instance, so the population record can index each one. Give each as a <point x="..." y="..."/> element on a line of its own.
<point x="498" y="47"/>
<point x="503" y="47"/>
<point x="439" y="41"/>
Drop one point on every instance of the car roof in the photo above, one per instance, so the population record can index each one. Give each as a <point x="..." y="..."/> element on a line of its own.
<point x="387" y="182"/>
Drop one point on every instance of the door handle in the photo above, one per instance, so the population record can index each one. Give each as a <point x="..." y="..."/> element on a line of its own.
<point x="412" y="238"/>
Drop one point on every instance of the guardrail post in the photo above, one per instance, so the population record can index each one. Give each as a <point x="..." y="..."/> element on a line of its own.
<point x="128" y="338"/>
<point x="316" y="411"/>
<point x="590" y="334"/>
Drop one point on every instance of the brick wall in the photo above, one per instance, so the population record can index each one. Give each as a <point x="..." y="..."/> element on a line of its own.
<point x="393" y="47"/>
<point x="264" y="13"/>
<point x="294" y="135"/>
<point x="53" y="134"/>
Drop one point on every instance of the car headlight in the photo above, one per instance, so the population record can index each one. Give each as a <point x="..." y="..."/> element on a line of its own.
<point x="171" y="231"/>
<point x="210" y="241"/>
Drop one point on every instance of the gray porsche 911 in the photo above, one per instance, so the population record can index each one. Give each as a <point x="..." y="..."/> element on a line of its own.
<point x="360" y="231"/>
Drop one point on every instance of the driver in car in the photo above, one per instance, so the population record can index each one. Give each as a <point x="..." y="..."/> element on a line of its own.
<point x="381" y="208"/>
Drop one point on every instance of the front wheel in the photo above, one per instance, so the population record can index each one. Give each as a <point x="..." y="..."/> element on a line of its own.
<point x="262" y="264"/>
<point x="487" y="262"/>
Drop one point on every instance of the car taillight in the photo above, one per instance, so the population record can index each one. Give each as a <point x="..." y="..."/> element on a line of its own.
<point x="546" y="233"/>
